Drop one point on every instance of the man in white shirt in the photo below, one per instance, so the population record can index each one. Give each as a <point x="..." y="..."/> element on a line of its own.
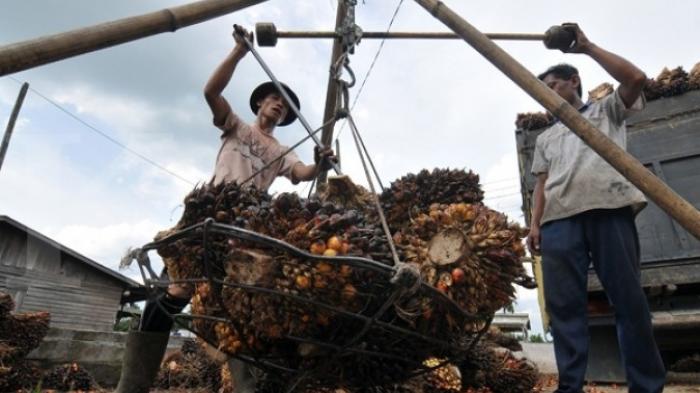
<point x="584" y="213"/>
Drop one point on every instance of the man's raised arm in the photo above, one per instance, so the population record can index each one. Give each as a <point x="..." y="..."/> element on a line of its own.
<point x="221" y="77"/>
<point x="631" y="78"/>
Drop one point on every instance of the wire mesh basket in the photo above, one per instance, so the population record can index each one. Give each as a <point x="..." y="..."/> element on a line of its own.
<point x="307" y="320"/>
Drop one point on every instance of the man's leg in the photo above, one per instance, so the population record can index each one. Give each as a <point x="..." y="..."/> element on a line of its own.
<point x="615" y="251"/>
<point x="146" y="346"/>
<point x="564" y="265"/>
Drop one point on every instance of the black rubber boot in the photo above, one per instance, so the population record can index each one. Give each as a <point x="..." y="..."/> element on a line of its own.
<point x="242" y="376"/>
<point x="141" y="362"/>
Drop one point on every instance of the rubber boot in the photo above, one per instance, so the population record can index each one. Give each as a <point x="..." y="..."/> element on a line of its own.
<point x="242" y="376"/>
<point x="141" y="362"/>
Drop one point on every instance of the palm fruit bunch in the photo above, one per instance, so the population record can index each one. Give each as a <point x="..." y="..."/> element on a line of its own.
<point x="415" y="193"/>
<point x="260" y="321"/>
<point x="672" y="82"/>
<point x="443" y="377"/>
<point x="687" y="364"/>
<point x="19" y="335"/>
<point x="468" y="252"/>
<point x="601" y="91"/>
<point x="512" y="375"/>
<point x="190" y="367"/>
<point x="497" y="370"/>
<point x="694" y="78"/>
<point x="533" y="120"/>
<point x="668" y="83"/>
<point x="258" y="301"/>
<point x="68" y="378"/>
<point x="495" y="337"/>
<point x="6" y="304"/>
<point x="21" y="376"/>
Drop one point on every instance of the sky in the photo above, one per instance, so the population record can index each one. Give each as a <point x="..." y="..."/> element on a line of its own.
<point x="425" y="104"/>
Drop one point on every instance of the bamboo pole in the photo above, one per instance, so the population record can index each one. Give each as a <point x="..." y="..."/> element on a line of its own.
<point x="11" y="123"/>
<point x="667" y="199"/>
<point x="331" y="92"/>
<point x="42" y="50"/>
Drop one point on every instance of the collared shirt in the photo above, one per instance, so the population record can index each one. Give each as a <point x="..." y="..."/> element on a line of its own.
<point x="245" y="149"/>
<point x="578" y="179"/>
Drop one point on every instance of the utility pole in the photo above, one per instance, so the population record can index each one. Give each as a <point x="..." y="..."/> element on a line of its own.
<point x="332" y="91"/>
<point x="11" y="123"/>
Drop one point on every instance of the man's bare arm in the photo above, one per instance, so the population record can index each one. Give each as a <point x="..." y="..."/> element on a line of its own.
<point x="220" y="79"/>
<point x="631" y="78"/>
<point x="533" y="239"/>
<point x="323" y="159"/>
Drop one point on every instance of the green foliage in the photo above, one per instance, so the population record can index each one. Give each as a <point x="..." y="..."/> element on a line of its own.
<point x="536" y="338"/>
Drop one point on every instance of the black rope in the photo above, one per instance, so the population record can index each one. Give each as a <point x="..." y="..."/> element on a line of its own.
<point x="369" y="158"/>
<point x="375" y="196"/>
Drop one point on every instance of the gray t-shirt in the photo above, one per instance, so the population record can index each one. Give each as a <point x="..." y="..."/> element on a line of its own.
<point x="578" y="179"/>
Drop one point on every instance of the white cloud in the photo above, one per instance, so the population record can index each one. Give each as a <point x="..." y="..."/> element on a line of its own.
<point x="103" y="243"/>
<point x="129" y="113"/>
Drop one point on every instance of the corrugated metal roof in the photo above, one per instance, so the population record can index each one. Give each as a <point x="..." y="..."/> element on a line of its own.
<point x="74" y="254"/>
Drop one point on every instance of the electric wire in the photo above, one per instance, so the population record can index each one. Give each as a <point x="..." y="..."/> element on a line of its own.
<point x="107" y="136"/>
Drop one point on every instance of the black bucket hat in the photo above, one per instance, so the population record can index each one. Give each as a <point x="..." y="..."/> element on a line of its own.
<point x="266" y="88"/>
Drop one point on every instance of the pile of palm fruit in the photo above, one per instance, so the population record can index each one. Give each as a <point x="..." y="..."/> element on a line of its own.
<point x="68" y="378"/>
<point x="188" y="368"/>
<point x="687" y="364"/>
<point x="19" y="335"/>
<point x="669" y="83"/>
<point x="342" y="320"/>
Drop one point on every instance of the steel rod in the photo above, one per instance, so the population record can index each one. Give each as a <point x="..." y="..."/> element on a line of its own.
<point x="409" y="35"/>
<point x="11" y="122"/>
<point x="629" y="167"/>
<point x="42" y="50"/>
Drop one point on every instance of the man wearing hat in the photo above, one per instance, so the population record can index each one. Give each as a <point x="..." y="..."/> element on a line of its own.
<point x="247" y="154"/>
<point x="247" y="148"/>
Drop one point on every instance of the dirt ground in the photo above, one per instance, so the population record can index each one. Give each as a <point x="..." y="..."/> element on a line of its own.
<point x="548" y="384"/>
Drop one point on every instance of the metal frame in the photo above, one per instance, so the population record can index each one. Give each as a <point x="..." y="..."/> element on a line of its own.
<point x="452" y="349"/>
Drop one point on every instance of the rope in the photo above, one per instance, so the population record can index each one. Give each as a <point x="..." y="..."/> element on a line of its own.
<point x="375" y="196"/>
<point x="349" y="41"/>
<point x="369" y="158"/>
<point x="104" y="135"/>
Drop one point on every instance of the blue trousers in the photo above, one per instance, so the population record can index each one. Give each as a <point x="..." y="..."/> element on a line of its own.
<point x="608" y="239"/>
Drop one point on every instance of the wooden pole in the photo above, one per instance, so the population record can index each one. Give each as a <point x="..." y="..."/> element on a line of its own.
<point x="11" y="123"/>
<point x="667" y="199"/>
<point x="42" y="50"/>
<point x="331" y="92"/>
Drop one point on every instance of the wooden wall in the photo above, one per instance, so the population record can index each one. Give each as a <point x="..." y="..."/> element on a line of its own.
<point x="43" y="278"/>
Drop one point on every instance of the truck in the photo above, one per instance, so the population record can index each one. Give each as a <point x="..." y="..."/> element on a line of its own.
<point x="665" y="138"/>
